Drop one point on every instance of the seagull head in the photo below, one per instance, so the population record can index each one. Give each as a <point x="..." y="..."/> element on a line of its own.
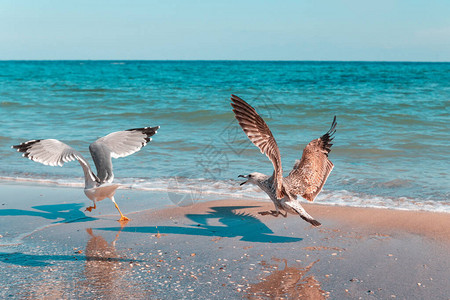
<point x="253" y="178"/>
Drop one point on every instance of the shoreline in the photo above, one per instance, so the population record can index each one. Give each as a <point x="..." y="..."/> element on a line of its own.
<point x="190" y="194"/>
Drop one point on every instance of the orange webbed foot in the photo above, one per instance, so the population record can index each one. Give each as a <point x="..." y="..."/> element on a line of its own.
<point x="123" y="219"/>
<point x="90" y="208"/>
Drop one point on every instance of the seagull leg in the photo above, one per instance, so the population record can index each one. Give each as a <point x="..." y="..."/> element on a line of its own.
<point x="275" y="213"/>
<point x="264" y="213"/>
<point x="90" y="208"/>
<point x="278" y="212"/>
<point x="122" y="217"/>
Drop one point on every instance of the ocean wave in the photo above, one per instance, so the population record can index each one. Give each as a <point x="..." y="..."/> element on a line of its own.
<point x="44" y="181"/>
<point x="202" y="189"/>
<point x="89" y="90"/>
<point x="198" y="116"/>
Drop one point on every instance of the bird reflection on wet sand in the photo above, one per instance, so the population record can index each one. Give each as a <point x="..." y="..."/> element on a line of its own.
<point x="290" y="283"/>
<point x="105" y="270"/>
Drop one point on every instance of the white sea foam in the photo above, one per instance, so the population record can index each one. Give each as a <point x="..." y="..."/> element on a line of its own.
<point x="201" y="189"/>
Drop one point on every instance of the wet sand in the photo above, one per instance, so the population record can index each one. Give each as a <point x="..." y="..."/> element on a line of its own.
<point x="218" y="249"/>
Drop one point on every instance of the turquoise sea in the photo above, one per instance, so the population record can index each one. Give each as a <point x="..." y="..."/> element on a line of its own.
<point x="391" y="149"/>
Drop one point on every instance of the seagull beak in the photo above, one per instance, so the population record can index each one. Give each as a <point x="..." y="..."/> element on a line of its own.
<point x="243" y="176"/>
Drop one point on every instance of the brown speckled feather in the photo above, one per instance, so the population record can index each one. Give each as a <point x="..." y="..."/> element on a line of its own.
<point x="259" y="134"/>
<point x="310" y="173"/>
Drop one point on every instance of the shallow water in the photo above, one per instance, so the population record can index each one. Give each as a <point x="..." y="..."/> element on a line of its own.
<point x="391" y="147"/>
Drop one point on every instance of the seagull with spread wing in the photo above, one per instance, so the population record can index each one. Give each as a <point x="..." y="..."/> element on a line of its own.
<point x="114" y="145"/>
<point x="306" y="178"/>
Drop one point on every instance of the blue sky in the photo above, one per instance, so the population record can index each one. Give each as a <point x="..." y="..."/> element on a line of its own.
<point x="409" y="30"/>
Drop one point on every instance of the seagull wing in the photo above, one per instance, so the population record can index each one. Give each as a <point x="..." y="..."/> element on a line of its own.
<point x="310" y="173"/>
<point x="118" y="144"/>
<point x="52" y="152"/>
<point x="259" y="134"/>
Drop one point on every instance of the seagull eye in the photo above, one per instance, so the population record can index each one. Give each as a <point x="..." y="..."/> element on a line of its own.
<point x="249" y="176"/>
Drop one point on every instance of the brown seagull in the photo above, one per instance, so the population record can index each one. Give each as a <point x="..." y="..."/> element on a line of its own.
<point x="306" y="178"/>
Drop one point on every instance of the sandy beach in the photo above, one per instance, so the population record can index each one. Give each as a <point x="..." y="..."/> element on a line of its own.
<point x="216" y="249"/>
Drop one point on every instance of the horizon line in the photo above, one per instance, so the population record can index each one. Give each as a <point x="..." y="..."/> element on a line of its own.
<point x="220" y="60"/>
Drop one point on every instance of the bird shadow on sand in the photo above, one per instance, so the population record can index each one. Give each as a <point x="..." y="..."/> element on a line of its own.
<point x="36" y="260"/>
<point x="69" y="213"/>
<point x="97" y="250"/>
<point x="234" y="224"/>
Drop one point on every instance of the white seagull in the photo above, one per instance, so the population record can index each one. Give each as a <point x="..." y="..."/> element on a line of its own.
<point x="306" y="178"/>
<point x="96" y="187"/>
